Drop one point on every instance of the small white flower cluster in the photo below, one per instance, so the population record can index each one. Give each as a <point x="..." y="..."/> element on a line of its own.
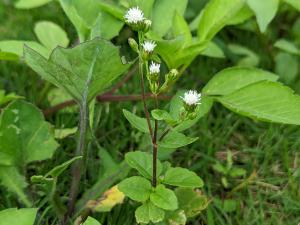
<point x="134" y="15"/>
<point x="191" y="98"/>
<point x="154" y="68"/>
<point x="149" y="46"/>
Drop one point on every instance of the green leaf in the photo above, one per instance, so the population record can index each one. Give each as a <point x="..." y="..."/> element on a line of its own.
<point x="56" y="171"/>
<point x="250" y="57"/>
<point x="215" y="15"/>
<point x="51" y="35"/>
<point x="15" y="216"/>
<point x="16" y="47"/>
<point x="100" y="66"/>
<point x="235" y="78"/>
<point x="142" y="162"/>
<point x="25" y="137"/>
<point x="267" y="101"/>
<point x="191" y="201"/>
<point x="5" y="98"/>
<point x="287" y="67"/>
<point x="237" y="172"/>
<point x="213" y="50"/>
<point x="64" y="132"/>
<point x="287" y="46"/>
<point x="164" y="198"/>
<point x="163" y="13"/>
<point x="264" y="11"/>
<point x="8" y="56"/>
<point x="294" y="3"/>
<point x="160" y="114"/>
<point x="28" y="4"/>
<point x="182" y="177"/>
<point x="136" y="188"/>
<point x="137" y="122"/>
<point x="241" y="16"/>
<point x="149" y="212"/>
<point x="180" y="27"/>
<point x="91" y="221"/>
<point x="175" y="139"/>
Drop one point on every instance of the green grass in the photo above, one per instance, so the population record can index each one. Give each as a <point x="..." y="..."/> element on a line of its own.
<point x="269" y="150"/>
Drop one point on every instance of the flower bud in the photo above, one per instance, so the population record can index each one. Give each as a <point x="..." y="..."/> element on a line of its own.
<point x="147" y="25"/>
<point x="170" y="79"/>
<point x="133" y="44"/>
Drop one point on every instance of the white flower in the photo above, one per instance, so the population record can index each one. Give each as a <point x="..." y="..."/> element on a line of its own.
<point x="134" y="15"/>
<point x="149" y="46"/>
<point x="191" y="97"/>
<point x="154" y="68"/>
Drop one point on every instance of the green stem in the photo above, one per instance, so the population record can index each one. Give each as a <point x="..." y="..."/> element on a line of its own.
<point x="154" y="144"/>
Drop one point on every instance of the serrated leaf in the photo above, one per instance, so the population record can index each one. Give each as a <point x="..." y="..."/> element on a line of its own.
<point x="266" y="101"/>
<point x="235" y="78"/>
<point x="164" y="198"/>
<point x="191" y="201"/>
<point x="25" y="216"/>
<point x="28" y="4"/>
<point x="99" y="66"/>
<point x="182" y="177"/>
<point x="264" y="11"/>
<point x="107" y="201"/>
<point x="91" y="221"/>
<point x="51" y="35"/>
<point x="149" y="212"/>
<point x="142" y="162"/>
<point x="137" y="122"/>
<point x="175" y="139"/>
<point x="136" y="188"/>
<point x="215" y="15"/>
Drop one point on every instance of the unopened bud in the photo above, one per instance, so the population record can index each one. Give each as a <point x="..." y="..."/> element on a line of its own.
<point x="147" y="25"/>
<point x="133" y="44"/>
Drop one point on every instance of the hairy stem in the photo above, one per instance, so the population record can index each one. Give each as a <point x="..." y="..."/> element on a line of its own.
<point x="154" y="156"/>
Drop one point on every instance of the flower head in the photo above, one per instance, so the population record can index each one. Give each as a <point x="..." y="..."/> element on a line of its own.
<point x="134" y="15"/>
<point x="149" y="46"/>
<point x="154" y="68"/>
<point x="191" y="98"/>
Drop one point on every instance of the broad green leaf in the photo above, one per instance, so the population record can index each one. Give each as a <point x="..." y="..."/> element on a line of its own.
<point x="177" y="217"/>
<point x="25" y="216"/>
<point x="107" y="201"/>
<point x="191" y="201"/>
<point x="250" y="59"/>
<point x="56" y="171"/>
<point x="11" y="178"/>
<point x="241" y="16"/>
<point x="142" y="162"/>
<point x="51" y="35"/>
<point x="163" y="13"/>
<point x="264" y="11"/>
<point x="287" y="67"/>
<point x="267" y="101"/>
<point x="16" y="47"/>
<point x="91" y="221"/>
<point x="215" y="15"/>
<point x="294" y="3"/>
<point x="25" y="137"/>
<point x="182" y="177"/>
<point x="149" y="212"/>
<point x="136" y="188"/>
<point x="164" y="198"/>
<point x="180" y="27"/>
<point x="213" y="50"/>
<point x="99" y="66"/>
<point x="137" y="122"/>
<point x="80" y="25"/>
<point x="287" y="46"/>
<point x="106" y="26"/>
<point x="28" y="4"/>
<point x="175" y="139"/>
<point x="235" y="78"/>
